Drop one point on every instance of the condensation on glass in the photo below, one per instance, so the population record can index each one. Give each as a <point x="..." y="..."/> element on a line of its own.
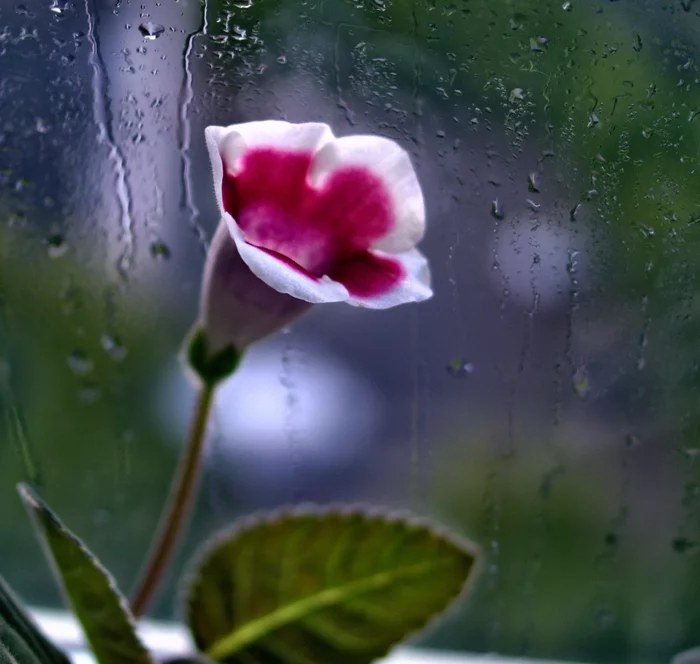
<point x="546" y="401"/>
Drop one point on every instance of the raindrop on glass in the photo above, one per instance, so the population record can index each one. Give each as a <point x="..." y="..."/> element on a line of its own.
<point x="56" y="245"/>
<point x="79" y="363"/>
<point x="532" y="185"/>
<point x="580" y="383"/>
<point x="573" y="214"/>
<point x="685" y="546"/>
<point x="159" y="250"/>
<point x="58" y="7"/>
<point x="114" y="347"/>
<point x="637" y="46"/>
<point x="459" y="368"/>
<point x="151" y="30"/>
<point x="89" y="393"/>
<point x="497" y="209"/>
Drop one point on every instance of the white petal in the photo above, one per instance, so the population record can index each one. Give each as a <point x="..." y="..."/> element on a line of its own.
<point x="414" y="287"/>
<point x="282" y="277"/>
<point x="391" y="163"/>
<point x="230" y="143"/>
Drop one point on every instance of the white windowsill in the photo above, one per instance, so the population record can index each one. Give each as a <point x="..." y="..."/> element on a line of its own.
<point x="170" y="640"/>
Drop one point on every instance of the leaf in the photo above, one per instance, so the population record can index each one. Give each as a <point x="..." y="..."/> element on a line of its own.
<point x="20" y="639"/>
<point x="98" y="605"/>
<point x="211" y="369"/>
<point x="317" y="586"/>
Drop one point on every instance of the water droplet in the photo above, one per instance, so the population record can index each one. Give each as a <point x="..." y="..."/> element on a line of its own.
<point x="637" y="45"/>
<point x="22" y="10"/>
<point x="567" y="7"/>
<point x="573" y="214"/>
<point x="593" y="120"/>
<point x="685" y="546"/>
<point x="58" y="7"/>
<point x="459" y="368"/>
<point x="151" y="30"/>
<point x="516" y="94"/>
<point x="159" y="250"/>
<point x="101" y="516"/>
<point x="497" y="209"/>
<point x="114" y="347"/>
<point x="580" y="383"/>
<point x="282" y="59"/>
<point x="89" y="393"/>
<point x="41" y="126"/>
<point x="532" y="183"/>
<point x="56" y="245"/>
<point x="606" y="617"/>
<point x="538" y="44"/>
<point x="79" y="363"/>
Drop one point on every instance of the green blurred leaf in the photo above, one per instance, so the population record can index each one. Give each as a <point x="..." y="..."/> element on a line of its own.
<point x="98" y="605"/>
<point x="20" y="639"/>
<point x="321" y="586"/>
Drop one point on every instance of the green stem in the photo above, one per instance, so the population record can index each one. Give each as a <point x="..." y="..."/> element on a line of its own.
<point x="177" y="508"/>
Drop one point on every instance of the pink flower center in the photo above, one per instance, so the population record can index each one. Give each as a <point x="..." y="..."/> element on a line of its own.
<point x="319" y="231"/>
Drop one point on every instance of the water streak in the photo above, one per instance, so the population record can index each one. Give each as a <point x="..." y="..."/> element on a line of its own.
<point x="103" y="117"/>
<point x="184" y="130"/>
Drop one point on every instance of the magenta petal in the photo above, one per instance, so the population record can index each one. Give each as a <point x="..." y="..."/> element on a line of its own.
<point x="367" y="275"/>
<point x="278" y="210"/>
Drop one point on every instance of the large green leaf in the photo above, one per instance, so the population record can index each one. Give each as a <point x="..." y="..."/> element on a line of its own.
<point x="20" y="639"/>
<point x="315" y="587"/>
<point x="98" y="605"/>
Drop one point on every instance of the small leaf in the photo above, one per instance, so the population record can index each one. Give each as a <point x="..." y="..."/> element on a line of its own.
<point x="98" y="605"/>
<point x="211" y="369"/>
<point x="320" y="586"/>
<point x="20" y="639"/>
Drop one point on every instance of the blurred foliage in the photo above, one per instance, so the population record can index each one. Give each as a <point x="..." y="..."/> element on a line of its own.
<point x="77" y="416"/>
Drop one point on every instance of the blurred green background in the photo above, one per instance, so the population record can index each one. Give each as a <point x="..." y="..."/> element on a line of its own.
<point x="545" y="402"/>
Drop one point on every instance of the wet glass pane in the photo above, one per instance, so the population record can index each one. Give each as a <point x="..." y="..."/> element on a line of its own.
<point x="545" y="402"/>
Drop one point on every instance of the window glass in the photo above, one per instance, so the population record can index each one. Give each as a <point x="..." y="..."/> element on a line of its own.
<point x="545" y="402"/>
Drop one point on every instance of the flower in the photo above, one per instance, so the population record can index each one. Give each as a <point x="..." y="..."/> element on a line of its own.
<point x="315" y="219"/>
<point x="237" y="308"/>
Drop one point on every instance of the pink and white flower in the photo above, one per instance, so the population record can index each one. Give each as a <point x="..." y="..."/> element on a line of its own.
<point x="315" y="218"/>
